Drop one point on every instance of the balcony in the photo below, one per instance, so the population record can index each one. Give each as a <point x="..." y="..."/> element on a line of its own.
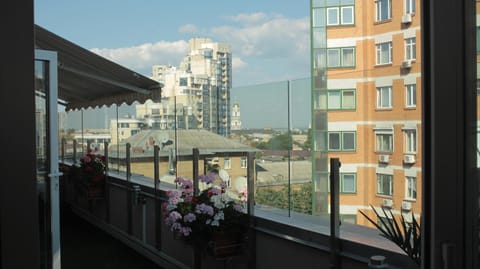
<point x="137" y="227"/>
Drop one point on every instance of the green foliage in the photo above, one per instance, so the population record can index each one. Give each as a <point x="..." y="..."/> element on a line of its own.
<point x="405" y="235"/>
<point x="301" y="199"/>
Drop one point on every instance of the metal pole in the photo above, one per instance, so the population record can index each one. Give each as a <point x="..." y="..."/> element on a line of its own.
<point x="334" y="212"/>
<point x="196" y="157"/>
<point x="127" y="160"/>
<point x="158" y="212"/>
<point x="74" y="151"/>
<point x="107" y="183"/>
<point x="250" y="208"/>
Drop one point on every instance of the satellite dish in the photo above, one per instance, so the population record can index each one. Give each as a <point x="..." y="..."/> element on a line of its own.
<point x="224" y="175"/>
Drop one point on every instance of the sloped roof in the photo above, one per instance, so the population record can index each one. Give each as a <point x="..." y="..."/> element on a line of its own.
<point x="86" y="79"/>
<point x="142" y="143"/>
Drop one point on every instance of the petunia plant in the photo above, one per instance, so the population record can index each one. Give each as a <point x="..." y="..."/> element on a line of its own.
<point x="197" y="217"/>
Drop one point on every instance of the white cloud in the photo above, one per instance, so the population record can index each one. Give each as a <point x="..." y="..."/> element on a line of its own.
<point x="238" y="63"/>
<point x="141" y="58"/>
<point x="276" y="37"/>
<point x="271" y="46"/>
<point x="252" y="18"/>
<point x="188" y="28"/>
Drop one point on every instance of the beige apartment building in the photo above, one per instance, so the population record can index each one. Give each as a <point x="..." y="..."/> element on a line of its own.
<point x="374" y="84"/>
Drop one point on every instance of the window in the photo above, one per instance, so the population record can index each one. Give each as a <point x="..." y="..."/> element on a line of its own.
<point x="183" y="82"/>
<point x="341" y="99"/>
<point x="410" y="141"/>
<point x="384" y="9"/>
<point x="385" y="184"/>
<point x="341" y="57"/>
<point x="410" y="48"/>
<point x="409" y="6"/>
<point x="411" y="95"/>
<point x="344" y="15"/>
<point x="384" y="141"/>
<point x="333" y="16"/>
<point x="227" y="164"/>
<point x="341" y="141"/>
<point x="348" y="183"/>
<point x="411" y="188"/>
<point x="384" y="53"/>
<point x="384" y="97"/>
<point x="243" y="162"/>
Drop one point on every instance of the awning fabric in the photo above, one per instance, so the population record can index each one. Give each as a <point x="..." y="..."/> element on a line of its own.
<point x="86" y="79"/>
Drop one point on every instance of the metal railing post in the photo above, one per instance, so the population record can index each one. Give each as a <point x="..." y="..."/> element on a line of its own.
<point x="107" y="183"/>
<point x="335" y="212"/>
<point x="196" y="158"/>
<point x="250" y="208"/>
<point x="74" y="151"/>
<point x="158" y="206"/>
<point x="127" y="159"/>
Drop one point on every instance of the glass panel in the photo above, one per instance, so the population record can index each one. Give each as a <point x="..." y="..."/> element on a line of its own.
<point x="347" y="15"/>
<point x="42" y="156"/>
<point x="348" y="99"/>
<point x="333" y="57"/>
<point x="332" y="16"/>
<point x="334" y="141"/>
<point x="348" y="57"/>
<point x="334" y="100"/>
<point x="348" y="140"/>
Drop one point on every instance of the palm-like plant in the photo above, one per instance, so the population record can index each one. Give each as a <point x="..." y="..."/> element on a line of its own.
<point x="403" y="234"/>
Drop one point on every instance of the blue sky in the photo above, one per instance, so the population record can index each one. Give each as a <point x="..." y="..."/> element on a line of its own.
<point x="269" y="38"/>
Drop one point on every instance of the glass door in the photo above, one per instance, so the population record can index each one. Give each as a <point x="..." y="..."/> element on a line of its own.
<point x="46" y="121"/>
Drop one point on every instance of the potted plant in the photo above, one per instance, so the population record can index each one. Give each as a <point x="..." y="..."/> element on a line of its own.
<point x="404" y="234"/>
<point x="92" y="174"/>
<point x="211" y="218"/>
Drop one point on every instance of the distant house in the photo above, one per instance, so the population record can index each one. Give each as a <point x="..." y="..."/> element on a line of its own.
<point x="175" y="153"/>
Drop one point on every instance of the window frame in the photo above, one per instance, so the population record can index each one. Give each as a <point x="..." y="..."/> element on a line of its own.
<point x="342" y="183"/>
<point x="243" y="162"/>
<point x="341" y="101"/>
<point x="410" y="97"/>
<point x="380" y="53"/>
<point x="380" y="182"/>
<point x="391" y="141"/>
<point x="227" y="160"/>
<point x="411" y="48"/>
<point x="341" y="62"/>
<point x="410" y="135"/>
<point x="410" y="7"/>
<point x="378" y="11"/>
<point x="340" y="141"/>
<point x="380" y="91"/>
<point x="411" y="189"/>
<point x="339" y="15"/>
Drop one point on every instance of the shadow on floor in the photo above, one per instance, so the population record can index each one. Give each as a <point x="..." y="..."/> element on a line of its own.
<point x="85" y="246"/>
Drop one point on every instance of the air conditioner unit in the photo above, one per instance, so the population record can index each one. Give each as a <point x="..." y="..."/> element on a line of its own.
<point x="407" y="206"/>
<point x="406" y="64"/>
<point x="407" y="18"/>
<point x="387" y="203"/>
<point x="409" y="158"/>
<point x="383" y="158"/>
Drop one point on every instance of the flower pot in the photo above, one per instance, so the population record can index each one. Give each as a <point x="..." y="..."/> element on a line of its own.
<point x="226" y="244"/>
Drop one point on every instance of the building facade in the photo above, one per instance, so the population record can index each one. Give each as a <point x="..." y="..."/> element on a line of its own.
<point x="200" y="86"/>
<point x="367" y="88"/>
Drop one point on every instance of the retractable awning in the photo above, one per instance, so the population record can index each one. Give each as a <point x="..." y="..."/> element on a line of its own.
<point x="86" y="79"/>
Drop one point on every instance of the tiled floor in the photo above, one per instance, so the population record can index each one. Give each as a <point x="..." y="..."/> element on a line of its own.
<point x="85" y="246"/>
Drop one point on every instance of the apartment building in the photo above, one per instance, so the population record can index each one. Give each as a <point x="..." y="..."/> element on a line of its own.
<point x="201" y="84"/>
<point x="371" y="99"/>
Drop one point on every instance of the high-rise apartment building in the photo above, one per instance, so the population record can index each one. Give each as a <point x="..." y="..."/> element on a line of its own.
<point x="367" y="110"/>
<point x="200" y="85"/>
